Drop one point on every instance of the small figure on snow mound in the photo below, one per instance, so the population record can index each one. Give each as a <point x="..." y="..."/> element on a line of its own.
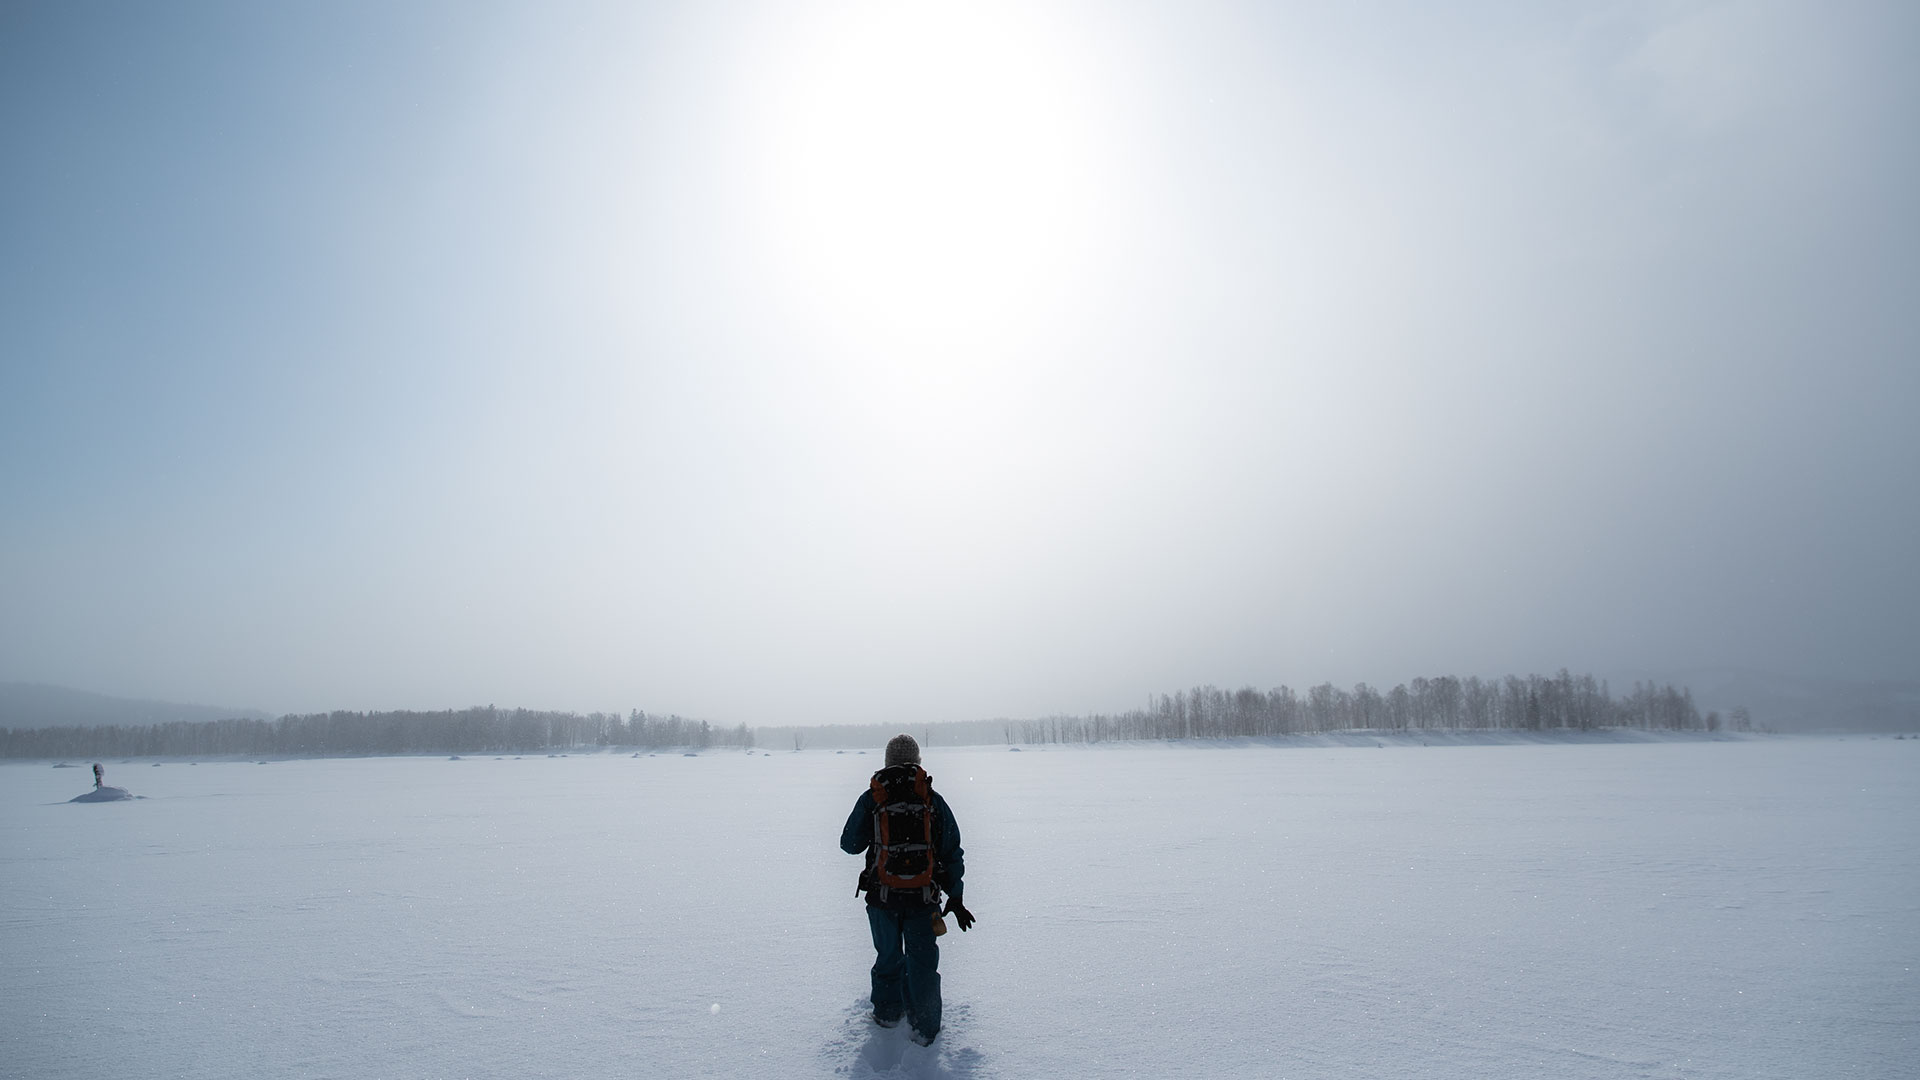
<point x="101" y="792"/>
<point x="913" y="852"/>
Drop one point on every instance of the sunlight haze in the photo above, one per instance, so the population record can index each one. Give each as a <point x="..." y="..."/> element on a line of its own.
<point x="860" y="362"/>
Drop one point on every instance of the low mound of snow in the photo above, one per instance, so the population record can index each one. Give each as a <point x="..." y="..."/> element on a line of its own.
<point x="104" y="794"/>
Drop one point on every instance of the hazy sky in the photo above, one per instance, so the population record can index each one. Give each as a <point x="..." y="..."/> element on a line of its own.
<point x="857" y="362"/>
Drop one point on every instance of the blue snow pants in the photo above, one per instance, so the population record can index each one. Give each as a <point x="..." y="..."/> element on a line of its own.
<point x="906" y="967"/>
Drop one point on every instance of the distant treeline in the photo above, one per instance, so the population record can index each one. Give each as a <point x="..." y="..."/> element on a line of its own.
<point x="476" y="730"/>
<point x="1535" y="703"/>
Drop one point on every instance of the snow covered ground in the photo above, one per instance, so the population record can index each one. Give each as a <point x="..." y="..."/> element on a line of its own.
<point x="1744" y="909"/>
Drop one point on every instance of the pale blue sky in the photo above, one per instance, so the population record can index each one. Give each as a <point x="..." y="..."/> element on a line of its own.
<point x="815" y="362"/>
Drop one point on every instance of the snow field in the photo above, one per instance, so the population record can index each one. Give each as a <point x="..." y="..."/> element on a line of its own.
<point x="1673" y="909"/>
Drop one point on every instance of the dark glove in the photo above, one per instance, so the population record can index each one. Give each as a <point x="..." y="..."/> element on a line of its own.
<point x="959" y="912"/>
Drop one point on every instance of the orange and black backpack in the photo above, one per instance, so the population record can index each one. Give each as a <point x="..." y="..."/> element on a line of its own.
<point x="905" y="824"/>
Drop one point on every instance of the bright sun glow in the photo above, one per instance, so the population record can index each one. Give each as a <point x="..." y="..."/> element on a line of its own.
<point x="926" y="168"/>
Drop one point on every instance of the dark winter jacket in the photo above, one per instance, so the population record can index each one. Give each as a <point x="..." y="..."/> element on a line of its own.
<point x="949" y="861"/>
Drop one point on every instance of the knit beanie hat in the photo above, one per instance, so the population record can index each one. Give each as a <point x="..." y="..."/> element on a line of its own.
<point x="902" y="750"/>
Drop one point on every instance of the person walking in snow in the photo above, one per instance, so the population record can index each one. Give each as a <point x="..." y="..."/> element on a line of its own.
<point x="912" y="845"/>
<point x="99" y="775"/>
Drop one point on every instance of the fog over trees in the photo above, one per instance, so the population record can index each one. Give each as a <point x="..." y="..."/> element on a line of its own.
<point x="1534" y="703"/>
<point x="476" y="730"/>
